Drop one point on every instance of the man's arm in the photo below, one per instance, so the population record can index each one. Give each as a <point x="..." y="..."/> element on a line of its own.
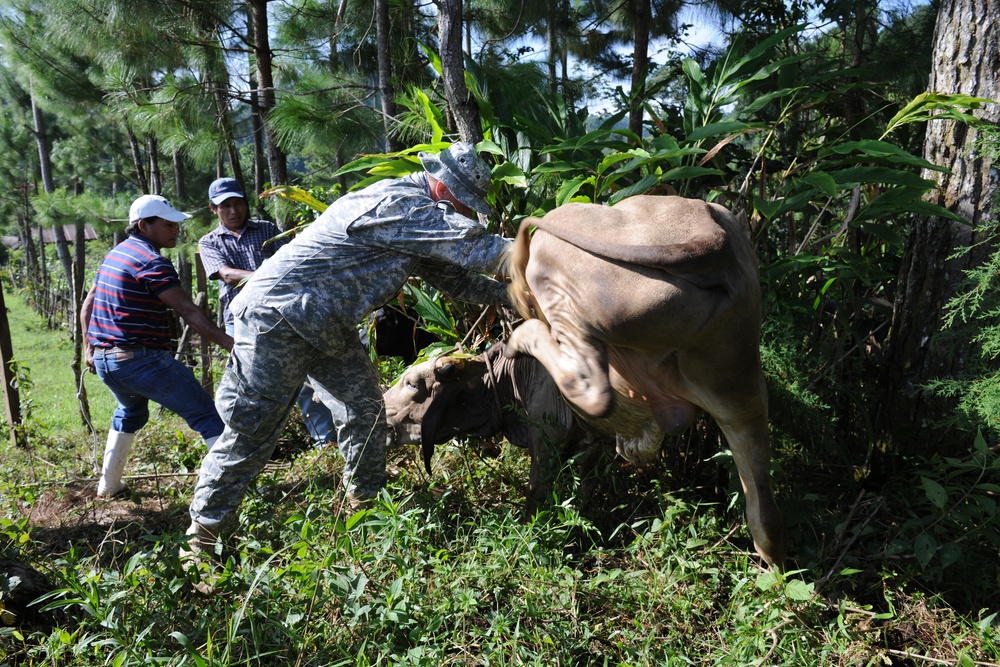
<point x="463" y="284"/>
<point x="216" y="263"/>
<point x="86" y="308"/>
<point x="177" y="298"/>
<point x="231" y="276"/>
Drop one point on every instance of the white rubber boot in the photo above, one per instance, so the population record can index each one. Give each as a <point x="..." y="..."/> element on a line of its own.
<point x="211" y="441"/>
<point x="115" y="455"/>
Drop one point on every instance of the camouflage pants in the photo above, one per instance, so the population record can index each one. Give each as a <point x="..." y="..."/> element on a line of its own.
<point x="266" y="369"/>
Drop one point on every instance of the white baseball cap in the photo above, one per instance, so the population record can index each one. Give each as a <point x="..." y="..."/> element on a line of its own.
<point x="154" y="206"/>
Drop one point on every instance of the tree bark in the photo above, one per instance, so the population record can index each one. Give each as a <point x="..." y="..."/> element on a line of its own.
<point x="640" y="63"/>
<point x="386" y="90"/>
<point x="44" y="152"/>
<point x="155" y="179"/>
<point x="180" y="182"/>
<point x="48" y="184"/>
<point x="140" y="170"/>
<point x="277" y="162"/>
<point x="462" y="103"/>
<point x="552" y="46"/>
<point x="966" y="60"/>
<point x="256" y="120"/>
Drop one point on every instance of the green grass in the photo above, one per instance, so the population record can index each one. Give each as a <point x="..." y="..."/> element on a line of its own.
<point x="46" y="355"/>
<point x="443" y="570"/>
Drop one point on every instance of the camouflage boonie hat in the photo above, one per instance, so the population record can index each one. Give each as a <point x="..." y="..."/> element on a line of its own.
<point x="463" y="172"/>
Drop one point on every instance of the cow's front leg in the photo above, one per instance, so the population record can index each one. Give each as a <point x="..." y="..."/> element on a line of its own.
<point x="579" y="368"/>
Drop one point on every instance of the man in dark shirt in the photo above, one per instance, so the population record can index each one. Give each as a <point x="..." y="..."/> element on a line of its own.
<point x="126" y="317"/>
<point x="231" y="253"/>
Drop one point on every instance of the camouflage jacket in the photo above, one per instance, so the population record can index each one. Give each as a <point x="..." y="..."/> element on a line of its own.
<point x="358" y="254"/>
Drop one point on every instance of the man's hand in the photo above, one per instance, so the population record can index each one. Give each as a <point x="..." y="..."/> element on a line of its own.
<point x="88" y="357"/>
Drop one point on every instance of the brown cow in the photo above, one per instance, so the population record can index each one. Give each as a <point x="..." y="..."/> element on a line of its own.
<point x="643" y="312"/>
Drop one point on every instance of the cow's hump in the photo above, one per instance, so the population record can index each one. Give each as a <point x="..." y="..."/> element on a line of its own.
<point x="678" y="235"/>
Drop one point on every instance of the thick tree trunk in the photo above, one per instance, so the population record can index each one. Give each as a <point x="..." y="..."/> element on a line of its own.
<point x="967" y="60"/>
<point x="640" y="62"/>
<point x="460" y="100"/>
<point x="386" y="91"/>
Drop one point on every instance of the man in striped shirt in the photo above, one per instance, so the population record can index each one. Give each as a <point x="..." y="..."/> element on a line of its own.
<point x="231" y="253"/>
<point x="126" y="316"/>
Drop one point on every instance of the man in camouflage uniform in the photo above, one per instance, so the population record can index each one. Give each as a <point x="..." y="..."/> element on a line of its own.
<point x="298" y="314"/>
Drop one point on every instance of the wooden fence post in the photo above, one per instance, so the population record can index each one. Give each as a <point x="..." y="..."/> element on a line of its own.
<point x="201" y="284"/>
<point x="11" y="396"/>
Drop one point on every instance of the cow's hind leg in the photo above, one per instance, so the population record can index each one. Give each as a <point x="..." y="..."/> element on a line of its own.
<point x="579" y="368"/>
<point x="748" y="442"/>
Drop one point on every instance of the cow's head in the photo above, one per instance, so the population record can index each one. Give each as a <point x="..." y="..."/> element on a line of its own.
<point x="439" y="399"/>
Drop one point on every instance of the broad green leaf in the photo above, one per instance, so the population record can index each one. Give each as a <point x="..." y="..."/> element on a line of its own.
<point x="767" y="580"/>
<point x="924" y="547"/>
<point x="297" y="195"/>
<point x="822" y="182"/>
<point x="569" y="188"/>
<point x="555" y="167"/>
<point x="847" y="178"/>
<point x="680" y="173"/>
<point x="797" y="589"/>
<point x="508" y="172"/>
<point x="950" y="553"/>
<point x="767" y="208"/>
<point x="935" y="492"/>
<point x="724" y="129"/>
<point x="644" y="185"/>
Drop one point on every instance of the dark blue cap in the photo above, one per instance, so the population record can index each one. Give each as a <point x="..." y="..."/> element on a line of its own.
<point x="222" y="189"/>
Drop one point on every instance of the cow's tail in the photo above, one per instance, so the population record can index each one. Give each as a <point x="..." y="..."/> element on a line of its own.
<point x="520" y="293"/>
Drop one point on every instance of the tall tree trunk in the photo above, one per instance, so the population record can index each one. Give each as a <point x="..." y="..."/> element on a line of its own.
<point x="338" y="25"/>
<point x="277" y="162"/>
<point x="217" y="79"/>
<point x="463" y="105"/>
<point x="967" y="61"/>
<point x="155" y="179"/>
<point x="552" y="45"/>
<point x="42" y="142"/>
<point x="140" y="169"/>
<point x="180" y="176"/>
<point x="640" y="62"/>
<point x="48" y="184"/>
<point x="256" y="117"/>
<point x="386" y="91"/>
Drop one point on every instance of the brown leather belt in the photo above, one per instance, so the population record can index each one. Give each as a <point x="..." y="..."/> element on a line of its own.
<point x="120" y="352"/>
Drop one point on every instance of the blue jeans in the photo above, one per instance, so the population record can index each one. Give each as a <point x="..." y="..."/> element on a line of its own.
<point x="154" y="375"/>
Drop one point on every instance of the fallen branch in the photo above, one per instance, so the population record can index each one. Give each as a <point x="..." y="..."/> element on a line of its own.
<point x="937" y="661"/>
